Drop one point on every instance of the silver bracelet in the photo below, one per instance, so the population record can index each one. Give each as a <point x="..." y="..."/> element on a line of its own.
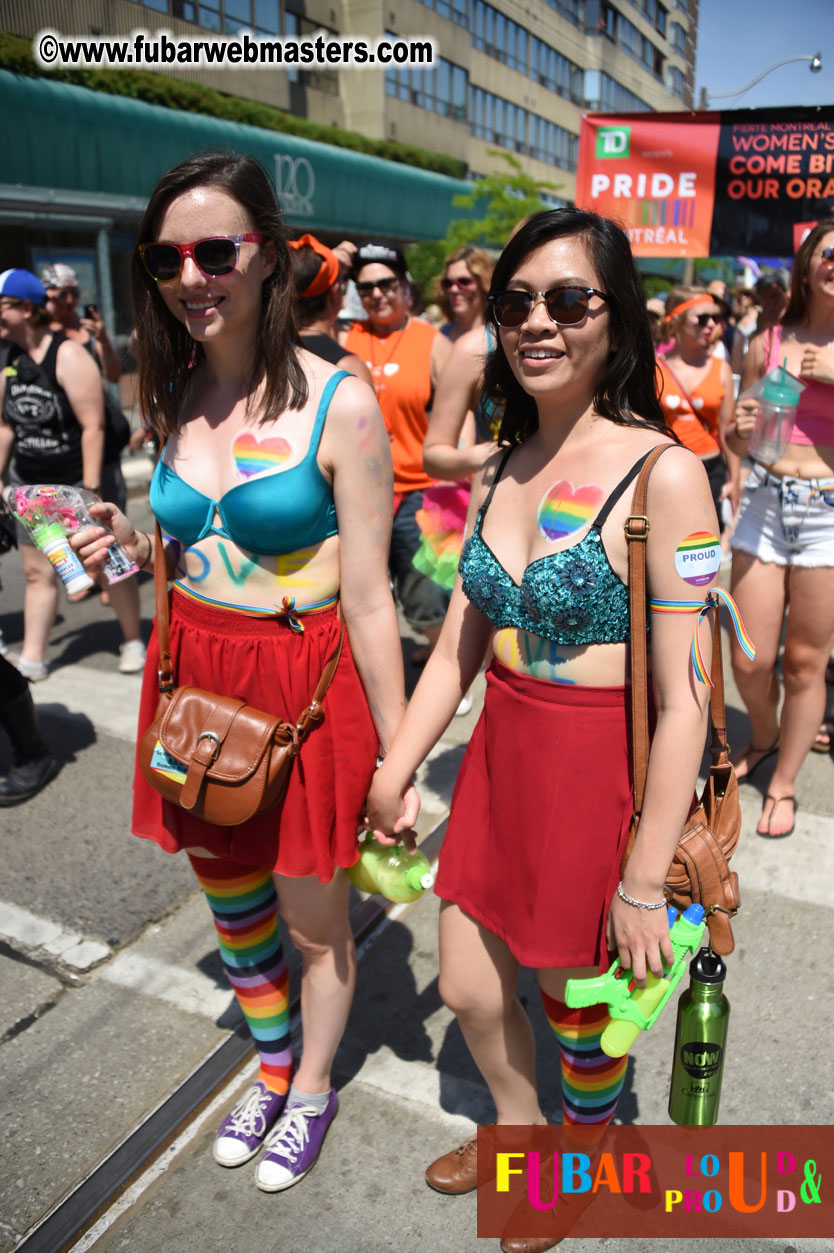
<point x="629" y="900"/>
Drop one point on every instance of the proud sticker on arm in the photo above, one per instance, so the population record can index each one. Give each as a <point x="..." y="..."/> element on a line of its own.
<point x="698" y="558"/>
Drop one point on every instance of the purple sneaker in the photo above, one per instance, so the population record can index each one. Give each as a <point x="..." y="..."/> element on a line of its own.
<point x="244" y="1130"/>
<point x="291" y="1150"/>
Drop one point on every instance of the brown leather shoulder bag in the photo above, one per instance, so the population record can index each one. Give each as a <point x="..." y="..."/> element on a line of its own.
<point x="216" y="756"/>
<point x="700" y="869"/>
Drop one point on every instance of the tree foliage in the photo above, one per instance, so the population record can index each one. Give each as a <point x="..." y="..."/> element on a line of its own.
<point x="502" y="200"/>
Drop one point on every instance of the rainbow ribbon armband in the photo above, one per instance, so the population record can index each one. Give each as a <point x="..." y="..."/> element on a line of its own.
<point x="702" y="608"/>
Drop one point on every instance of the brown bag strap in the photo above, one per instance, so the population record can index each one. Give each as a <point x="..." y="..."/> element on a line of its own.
<point x="637" y="532"/>
<point x="165" y="670"/>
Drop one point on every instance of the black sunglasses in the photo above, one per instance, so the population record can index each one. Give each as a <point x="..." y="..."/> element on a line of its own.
<point x="385" y="285"/>
<point x="827" y="254"/>
<point x="214" y="257"/>
<point x="566" y="306"/>
<point x="704" y="319"/>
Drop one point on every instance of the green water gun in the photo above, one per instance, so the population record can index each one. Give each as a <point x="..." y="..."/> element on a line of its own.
<point x="633" y="1011"/>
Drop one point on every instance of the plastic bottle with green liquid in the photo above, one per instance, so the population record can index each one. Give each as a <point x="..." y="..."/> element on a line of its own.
<point x="390" y="870"/>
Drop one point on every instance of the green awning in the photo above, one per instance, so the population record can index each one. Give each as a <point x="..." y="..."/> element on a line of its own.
<point x="64" y="139"/>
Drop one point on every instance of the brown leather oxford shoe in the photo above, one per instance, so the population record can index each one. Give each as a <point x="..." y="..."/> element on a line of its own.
<point x="456" y="1172"/>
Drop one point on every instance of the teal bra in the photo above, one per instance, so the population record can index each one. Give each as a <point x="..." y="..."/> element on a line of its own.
<point x="271" y="515"/>
<point x="570" y="597"/>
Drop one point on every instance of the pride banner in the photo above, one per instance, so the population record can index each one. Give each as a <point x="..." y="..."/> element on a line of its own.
<point x="709" y="184"/>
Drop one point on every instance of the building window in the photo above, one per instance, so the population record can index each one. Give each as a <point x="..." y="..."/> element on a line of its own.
<point x="498" y="36"/>
<point x="441" y="89"/>
<point x="678" y="39"/>
<point x="267" y="17"/>
<point x="455" y="10"/>
<point x="498" y="121"/>
<point x="570" y="9"/>
<point x="677" y="82"/>
<point x="553" y="71"/>
<point x="604" y="94"/>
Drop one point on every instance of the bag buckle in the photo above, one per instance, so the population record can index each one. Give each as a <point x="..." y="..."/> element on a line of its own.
<point x="631" y="534"/>
<point x="209" y="735"/>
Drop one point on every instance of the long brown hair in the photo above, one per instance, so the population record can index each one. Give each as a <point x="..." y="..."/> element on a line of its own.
<point x="797" y="310"/>
<point x="165" y="351"/>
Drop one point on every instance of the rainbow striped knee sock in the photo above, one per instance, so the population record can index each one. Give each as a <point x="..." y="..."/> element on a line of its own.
<point x="245" y="908"/>
<point x="591" y="1081"/>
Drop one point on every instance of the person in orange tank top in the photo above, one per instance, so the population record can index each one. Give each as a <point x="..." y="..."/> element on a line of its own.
<point x="697" y="395"/>
<point x="405" y="357"/>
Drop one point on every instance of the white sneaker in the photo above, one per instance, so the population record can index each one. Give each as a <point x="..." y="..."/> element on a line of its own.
<point x="464" y="706"/>
<point x="132" y="657"/>
<point x="34" y="671"/>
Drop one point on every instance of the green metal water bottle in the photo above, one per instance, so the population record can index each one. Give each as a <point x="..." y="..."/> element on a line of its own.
<point x="700" y="1042"/>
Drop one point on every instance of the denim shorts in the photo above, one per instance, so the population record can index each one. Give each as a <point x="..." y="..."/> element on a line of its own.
<point x="786" y="521"/>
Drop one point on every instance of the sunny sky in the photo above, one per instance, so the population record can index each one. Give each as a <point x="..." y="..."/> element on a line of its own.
<point x="738" y="39"/>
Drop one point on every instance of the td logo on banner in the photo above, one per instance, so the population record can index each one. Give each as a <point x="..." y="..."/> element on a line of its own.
<point x="613" y="141"/>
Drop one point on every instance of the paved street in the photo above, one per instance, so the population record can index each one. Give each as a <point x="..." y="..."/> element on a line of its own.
<point x="113" y="993"/>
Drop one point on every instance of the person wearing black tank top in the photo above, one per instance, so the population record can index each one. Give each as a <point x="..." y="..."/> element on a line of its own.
<point x="318" y="272"/>
<point x="52" y="431"/>
<point x="529" y="869"/>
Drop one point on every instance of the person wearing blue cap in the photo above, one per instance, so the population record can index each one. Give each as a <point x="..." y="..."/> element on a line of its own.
<point x="51" y="431"/>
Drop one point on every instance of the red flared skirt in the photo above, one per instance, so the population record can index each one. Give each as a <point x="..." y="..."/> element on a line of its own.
<point x="270" y="666"/>
<point x="540" y="817"/>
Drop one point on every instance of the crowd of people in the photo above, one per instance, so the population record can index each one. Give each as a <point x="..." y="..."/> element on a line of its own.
<point x="313" y="473"/>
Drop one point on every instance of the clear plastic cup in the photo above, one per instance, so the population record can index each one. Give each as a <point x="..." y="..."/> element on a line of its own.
<point x="778" y="395"/>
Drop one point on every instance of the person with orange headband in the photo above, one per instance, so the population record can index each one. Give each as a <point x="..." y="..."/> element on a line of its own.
<point x="319" y="276"/>
<point x="697" y="387"/>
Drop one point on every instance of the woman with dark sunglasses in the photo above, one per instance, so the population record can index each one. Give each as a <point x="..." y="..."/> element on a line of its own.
<point x="783" y="545"/>
<point x="697" y="386"/>
<point x="405" y="356"/>
<point x="461" y="291"/>
<point x="274" y="493"/>
<point x="529" y="869"/>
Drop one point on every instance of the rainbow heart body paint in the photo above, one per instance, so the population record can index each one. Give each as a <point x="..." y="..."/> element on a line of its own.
<point x="563" y="511"/>
<point x="256" y="456"/>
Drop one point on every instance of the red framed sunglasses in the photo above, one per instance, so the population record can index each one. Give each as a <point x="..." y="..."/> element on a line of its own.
<point x="214" y="257"/>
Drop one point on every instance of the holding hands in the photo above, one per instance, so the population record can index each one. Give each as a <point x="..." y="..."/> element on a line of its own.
<point x="391" y="810"/>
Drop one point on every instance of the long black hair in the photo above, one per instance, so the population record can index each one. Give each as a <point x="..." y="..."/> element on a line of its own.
<point x="627" y="392"/>
<point x="165" y="351"/>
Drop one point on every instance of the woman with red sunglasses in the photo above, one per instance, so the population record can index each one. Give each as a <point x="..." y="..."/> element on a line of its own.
<point x="273" y="491"/>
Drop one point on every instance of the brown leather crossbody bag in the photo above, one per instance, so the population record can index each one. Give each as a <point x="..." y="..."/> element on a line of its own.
<point x="700" y="870"/>
<point x="216" y="756"/>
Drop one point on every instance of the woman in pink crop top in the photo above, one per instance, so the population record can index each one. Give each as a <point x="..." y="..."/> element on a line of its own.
<point x="282" y="475"/>
<point x="784" y="540"/>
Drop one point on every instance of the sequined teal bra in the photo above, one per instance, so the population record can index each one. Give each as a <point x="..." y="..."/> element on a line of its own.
<point x="569" y="597"/>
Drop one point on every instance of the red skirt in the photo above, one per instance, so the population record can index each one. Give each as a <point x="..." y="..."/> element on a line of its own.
<point x="540" y="817"/>
<point x="264" y="662"/>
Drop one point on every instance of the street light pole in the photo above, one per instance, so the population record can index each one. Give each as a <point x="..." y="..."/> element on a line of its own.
<point x="814" y="67"/>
